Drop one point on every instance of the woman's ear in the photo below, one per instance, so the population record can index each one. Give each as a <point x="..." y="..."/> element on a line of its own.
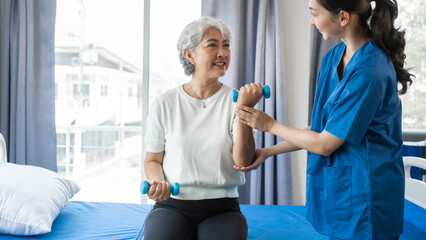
<point x="344" y="18"/>
<point x="188" y="54"/>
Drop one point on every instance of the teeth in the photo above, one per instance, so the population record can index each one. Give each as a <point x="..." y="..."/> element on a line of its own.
<point x="220" y="64"/>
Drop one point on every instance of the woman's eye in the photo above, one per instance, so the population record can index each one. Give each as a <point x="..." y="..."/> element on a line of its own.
<point x="227" y="45"/>
<point x="211" y="45"/>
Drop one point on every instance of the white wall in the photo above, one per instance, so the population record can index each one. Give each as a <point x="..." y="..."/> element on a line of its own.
<point x="297" y="34"/>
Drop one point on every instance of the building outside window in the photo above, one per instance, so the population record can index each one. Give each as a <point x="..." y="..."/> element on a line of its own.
<point x="98" y="76"/>
<point x="104" y="90"/>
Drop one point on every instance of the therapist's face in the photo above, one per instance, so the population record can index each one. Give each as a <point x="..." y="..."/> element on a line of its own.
<point x="211" y="57"/>
<point x="326" y="22"/>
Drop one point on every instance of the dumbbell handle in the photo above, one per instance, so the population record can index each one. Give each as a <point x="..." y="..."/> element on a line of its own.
<point x="266" y="92"/>
<point x="174" y="188"/>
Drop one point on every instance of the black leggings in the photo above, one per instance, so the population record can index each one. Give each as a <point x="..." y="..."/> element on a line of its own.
<point x="196" y="219"/>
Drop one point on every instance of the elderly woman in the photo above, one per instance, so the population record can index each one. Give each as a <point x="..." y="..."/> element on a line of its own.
<point x="194" y="138"/>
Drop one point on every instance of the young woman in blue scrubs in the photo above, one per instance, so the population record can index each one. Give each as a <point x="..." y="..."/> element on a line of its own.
<point x="355" y="178"/>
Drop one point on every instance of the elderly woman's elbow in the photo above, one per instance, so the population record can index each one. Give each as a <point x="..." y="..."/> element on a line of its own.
<point x="241" y="161"/>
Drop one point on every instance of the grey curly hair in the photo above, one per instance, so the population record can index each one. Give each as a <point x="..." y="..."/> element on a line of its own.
<point x="192" y="35"/>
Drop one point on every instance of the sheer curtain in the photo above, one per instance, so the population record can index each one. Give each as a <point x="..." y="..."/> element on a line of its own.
<point x="27" y="86"/>
<point x="257" y="56"/>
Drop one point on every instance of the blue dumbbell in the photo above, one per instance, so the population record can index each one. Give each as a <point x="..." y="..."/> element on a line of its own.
<point x="266" y="92"/>
<point x="174" y="188"/>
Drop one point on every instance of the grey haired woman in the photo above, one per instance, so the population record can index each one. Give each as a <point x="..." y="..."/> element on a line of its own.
<point x="193" y="138"/>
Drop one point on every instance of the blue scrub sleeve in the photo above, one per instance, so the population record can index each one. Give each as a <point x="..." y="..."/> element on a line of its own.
<point x="353" y="111"/>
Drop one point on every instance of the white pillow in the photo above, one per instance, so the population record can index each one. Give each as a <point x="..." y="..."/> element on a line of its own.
<point x="31" y="198"/>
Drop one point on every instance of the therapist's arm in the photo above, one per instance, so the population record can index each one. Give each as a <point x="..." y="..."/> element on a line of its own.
<point x="160" y="189"/>
<point x="323" y="143"/>
<point x="261" y="154"/>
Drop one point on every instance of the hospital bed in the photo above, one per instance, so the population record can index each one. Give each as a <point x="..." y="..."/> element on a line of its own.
<point x="110" y="221"/>
<point x="121" y="221"/>
<point x="96" y="220"/>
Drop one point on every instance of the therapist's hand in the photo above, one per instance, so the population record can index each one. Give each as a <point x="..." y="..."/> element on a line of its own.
<point x="260" y="156"/>
<point x="250" y="94"/>
<point x="254" y="118"/>
<point x="159" y="190"/>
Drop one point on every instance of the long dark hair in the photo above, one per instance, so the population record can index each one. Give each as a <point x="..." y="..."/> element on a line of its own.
<point x="379" y="24"/>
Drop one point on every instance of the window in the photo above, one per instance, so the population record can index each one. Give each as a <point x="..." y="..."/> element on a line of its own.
<point x="98" y="53"/>
<point x="168" y="18"/>
<point x="75" y="91"/>
<point x="130" y="92"/>
<point x="85" y="90"/>
<point x="99" y="47"/>
<point x="104" y="90"/>
<point x="412" y="18"/>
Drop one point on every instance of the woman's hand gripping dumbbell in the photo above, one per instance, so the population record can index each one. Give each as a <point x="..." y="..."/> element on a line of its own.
<point x="174" y="188"/>
<point x="266" y="91"/>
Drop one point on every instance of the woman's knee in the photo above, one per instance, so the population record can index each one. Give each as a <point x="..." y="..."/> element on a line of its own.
<point x="165" y="224"/>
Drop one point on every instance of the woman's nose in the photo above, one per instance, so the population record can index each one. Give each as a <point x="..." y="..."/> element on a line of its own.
<point x="222" y="52"/>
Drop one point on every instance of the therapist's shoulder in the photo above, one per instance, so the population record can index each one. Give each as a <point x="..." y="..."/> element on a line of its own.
<point x="378" y="76"/>
<point x="376" y="63"/>
<point x="372" y="56"/>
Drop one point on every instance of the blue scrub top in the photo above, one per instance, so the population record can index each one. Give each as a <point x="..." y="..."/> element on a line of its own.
<point x="358" y="191"/>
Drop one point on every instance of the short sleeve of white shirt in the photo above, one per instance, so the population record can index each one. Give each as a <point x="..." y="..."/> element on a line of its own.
<point x="155" y="136"/>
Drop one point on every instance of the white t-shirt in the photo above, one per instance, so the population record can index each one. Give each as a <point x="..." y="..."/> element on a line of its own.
<point x="197" y="137"/>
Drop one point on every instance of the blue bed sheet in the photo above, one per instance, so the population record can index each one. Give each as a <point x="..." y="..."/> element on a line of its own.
<point x="288" y="222"/>
<point x="109" y="221"/>
<point x="278" y="222"/>
<point x="96" y="221"/>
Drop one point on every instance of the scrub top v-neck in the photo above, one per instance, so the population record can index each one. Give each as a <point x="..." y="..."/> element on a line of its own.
<point x="358" y="191"/>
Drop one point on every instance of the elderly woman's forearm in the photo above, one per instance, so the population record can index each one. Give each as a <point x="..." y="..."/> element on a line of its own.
<point x="244" y="146"/>
<point x="153" y="166"/>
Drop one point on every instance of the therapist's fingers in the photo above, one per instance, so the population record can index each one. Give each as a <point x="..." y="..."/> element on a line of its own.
<point x="245" y="115"/>
<point x="248" y="168"/>
<point x="254" y="118"/>
<point x="259" y="157"/>
<point x="241" y="109"/>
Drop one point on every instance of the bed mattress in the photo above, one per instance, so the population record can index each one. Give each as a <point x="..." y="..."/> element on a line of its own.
<point x="109" y="221"/>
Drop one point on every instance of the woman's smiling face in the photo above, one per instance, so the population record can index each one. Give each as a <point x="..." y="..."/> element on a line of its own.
<point x="211" y="57"/>
<point x="326" y="23"/>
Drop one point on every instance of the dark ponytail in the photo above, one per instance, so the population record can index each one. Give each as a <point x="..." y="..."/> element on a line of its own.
<point x="379" y="24"/>
<point x="389" y="39"/>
